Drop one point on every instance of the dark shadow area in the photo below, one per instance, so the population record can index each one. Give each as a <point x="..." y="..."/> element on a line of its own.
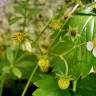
<point x="17" y="89"/>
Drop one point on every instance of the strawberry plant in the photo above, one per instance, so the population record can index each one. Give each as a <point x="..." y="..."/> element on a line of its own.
<point x="59" y="59"/>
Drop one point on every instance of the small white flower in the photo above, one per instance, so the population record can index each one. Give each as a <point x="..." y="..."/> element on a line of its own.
<point x="89" y="45"/>
<point x="94" y="52"/>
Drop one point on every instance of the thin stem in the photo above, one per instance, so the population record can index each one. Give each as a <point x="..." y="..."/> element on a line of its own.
<point x="21" y="57"/>
<point x="50" y="46"/>
<point x="74" y="85"/>
<point x="87" y="22"/>
<point x="65" y="53"/>
<point x="74" y="8"/>
<point x="44" y="29"/>
<point x="38" y="37"/>
<point x="73" y="48"/>
<point x="30" y="79"/>
<point x="66" y="64"/>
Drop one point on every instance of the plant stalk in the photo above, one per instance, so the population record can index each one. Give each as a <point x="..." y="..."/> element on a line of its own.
<point x="74" y="85"/>
<point x="30" y="78"/>
<point x="66" y="64"/>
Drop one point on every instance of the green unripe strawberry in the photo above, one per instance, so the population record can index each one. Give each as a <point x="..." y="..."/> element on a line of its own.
<point x="44" y="64"/>
<point x="63" y="83"/>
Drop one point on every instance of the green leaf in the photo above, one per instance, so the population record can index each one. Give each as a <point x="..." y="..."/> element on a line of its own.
<point x="63" y="44"/>
<point x="87" y="86"/>
<point x="88" y="10"/>
<point x="81" y="62"/>
<point x="17" y="72"/>
<point x="48" y="86"/>
<point x="58" y="65"/>
<point x="10" y="55"/>
<point x="26" y="63"/>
